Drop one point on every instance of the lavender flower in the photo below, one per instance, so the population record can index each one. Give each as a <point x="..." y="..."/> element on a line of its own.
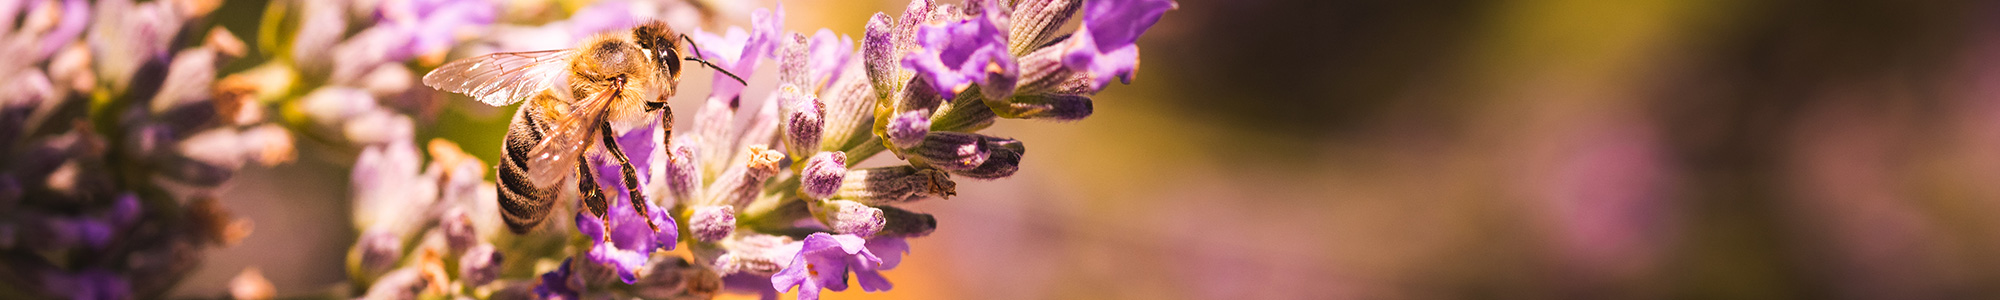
<point x="824" y="261"/>
<point x="1104" y="47"/>
<point x="631" y="241"/>
<point x="557" y="284"/>
<point x="954" y="56"/>
<point x="739" y="52"/>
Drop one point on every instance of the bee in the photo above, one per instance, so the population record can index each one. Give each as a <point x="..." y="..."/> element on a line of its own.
<point x="611" y="83"/>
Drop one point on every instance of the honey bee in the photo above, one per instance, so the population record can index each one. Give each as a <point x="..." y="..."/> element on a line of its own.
<point x="615" y="82"/>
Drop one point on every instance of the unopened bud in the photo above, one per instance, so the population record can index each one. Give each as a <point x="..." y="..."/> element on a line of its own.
<point x="895" y="185"/>
<point x="712" y="223"/>
<point x="683" y="175"/>
<point x="849" y="217"/>
<point x="952" y="151"/>
<point x="1046" y="107"/>
<point x="907" y="130"/>
<point x="480" y="265"/>
<point x="1004" y="160"/>
<point x="906" y="224"/>
<point x="823" y="174"/>
<point x="805" y="123"/>
<point x="457" y="227"/>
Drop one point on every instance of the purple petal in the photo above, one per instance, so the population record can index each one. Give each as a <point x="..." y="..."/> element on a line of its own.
<point x="590" y="226"/>
<point x="891" y="250"/>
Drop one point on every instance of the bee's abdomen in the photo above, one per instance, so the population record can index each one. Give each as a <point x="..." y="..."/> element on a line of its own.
<point x="522" y="205"/>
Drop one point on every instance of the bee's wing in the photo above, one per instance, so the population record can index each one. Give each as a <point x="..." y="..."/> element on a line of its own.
<point x="501" y="78"/>
<point x="556" y="156"/>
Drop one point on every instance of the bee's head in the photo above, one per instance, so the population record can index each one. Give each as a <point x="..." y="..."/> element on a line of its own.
<point x="663" y="44"/>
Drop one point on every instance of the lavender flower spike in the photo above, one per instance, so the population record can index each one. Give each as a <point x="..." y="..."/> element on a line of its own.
<point x="823" y="263"/>
<point x="955" y="55"/>
<point x="1104" y="47"/>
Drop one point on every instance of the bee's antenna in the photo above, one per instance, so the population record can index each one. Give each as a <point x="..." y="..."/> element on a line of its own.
<point x="704" y="61"/>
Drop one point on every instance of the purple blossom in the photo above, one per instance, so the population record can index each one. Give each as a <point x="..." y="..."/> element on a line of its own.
<point x="824" y="261"/>
<point x="434" y="25"/>
<point x="556" y="284"/>
<point x="75" y="16"/>
<point x="1104" y="46"/>
<point x="955" y="55"/>
<point x="828" y="55"/>
<point x="739" y="52"/>
<point x="890" y="248"/>
<point x="631" y="241"/>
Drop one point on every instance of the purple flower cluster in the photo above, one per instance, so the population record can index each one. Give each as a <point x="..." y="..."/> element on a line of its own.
<point x="120" y="137"/>
<point x="772" y="200"/>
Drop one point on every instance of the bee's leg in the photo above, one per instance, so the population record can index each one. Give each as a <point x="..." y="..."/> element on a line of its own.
<point x="593" y="197"/>
<point x="632" y="187"/>
<point x="666" y="126"/>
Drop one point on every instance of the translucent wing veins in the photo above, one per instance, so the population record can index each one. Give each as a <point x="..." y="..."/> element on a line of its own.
<point x="501" y="78"/>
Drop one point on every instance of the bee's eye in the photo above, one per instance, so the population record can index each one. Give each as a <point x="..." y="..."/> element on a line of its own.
<point x="672" y="60"/>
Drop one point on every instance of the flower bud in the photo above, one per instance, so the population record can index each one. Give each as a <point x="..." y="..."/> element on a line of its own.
<point x="849" y="217"/>
<point x="456" y="225"/>
<point x="739" y="185"/>
<point x="479" y="265"/>
<point x="379" y="251"/>
<point x="952" y="151"/>
<point x="904" y="223"/>
<point x="805" y="122"/>
<point x="1048" y="107"/>
<point x="850" y="110"/>
<point x="379" y="127"/>
<point x="335" y="105"/>
<point x="897" y="184"/>
<point x="908" y="129"/>
<point x="1004" y="160"/>
<point x="793" y="65"/>
<point x="964" y="116"/>
<point x="878" y="53"/>
<point x="756" y="254"/>
<point x="189" y="80"/>
<point x="404" y="283"/>
<point x="675" y="278"/>
<point x="823" y="174"/>
<point x="1035" y="20"/>
<point x="712" y="223"/>
<point x="682" y="174"/>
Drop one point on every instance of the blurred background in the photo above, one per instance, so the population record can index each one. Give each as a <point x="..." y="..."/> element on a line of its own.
<point x="1376" y="149"/>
